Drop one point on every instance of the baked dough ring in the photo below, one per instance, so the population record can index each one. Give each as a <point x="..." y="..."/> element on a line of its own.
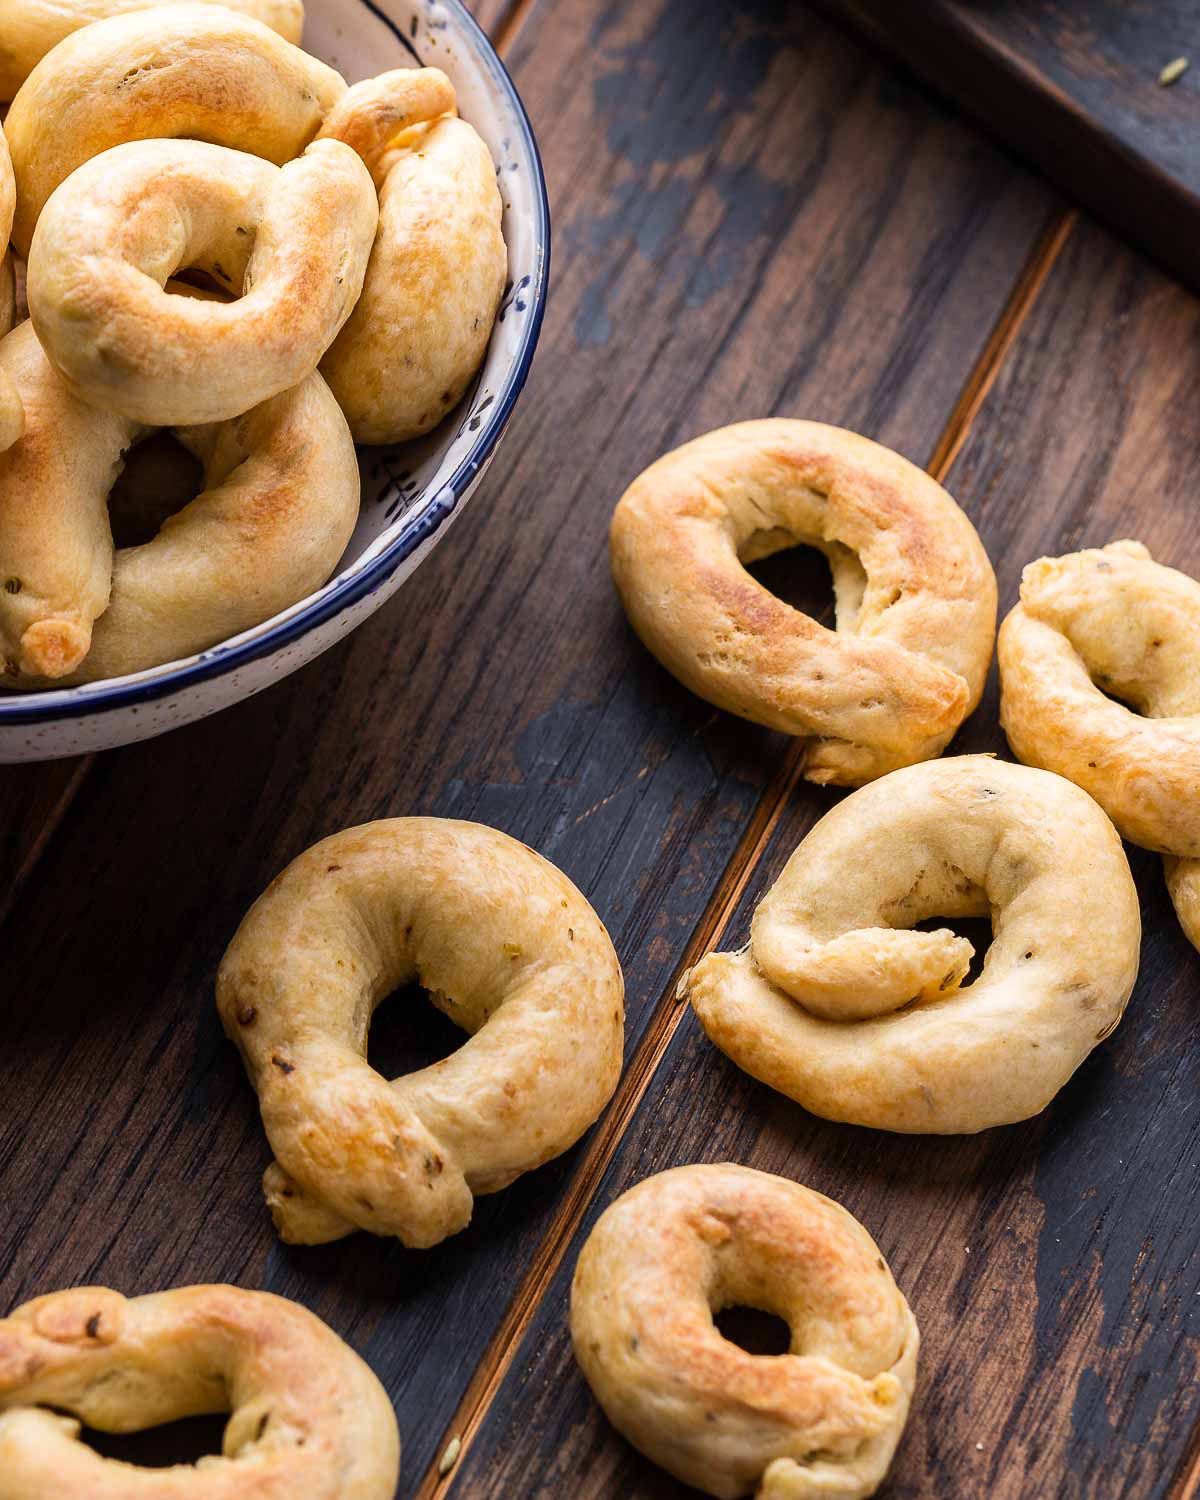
<point x="916" y="596"/>
<point x="12" y="418"/>
<point x="279" y="505"/>
<point x="308" y="1417"/>
<point x="292" y="240"/>
<point x="438" y="268"/>
<point x="507" y="948"/>
<point x="837" y="1004"/>
<point x="196" y="70"/>
<point x="1113" y="616"/>
<point x="818" y="1422"/>
<point x="1183" y="885"/>
<point x="30" y="28"/>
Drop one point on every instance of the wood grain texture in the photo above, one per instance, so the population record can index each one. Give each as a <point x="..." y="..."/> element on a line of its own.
<point x="36" y="799"/>
<point x="1051" y="1265"/>
<point x="1072" y="85"/>
<point x="751" y="216"/>
<point x="497" y="17"/>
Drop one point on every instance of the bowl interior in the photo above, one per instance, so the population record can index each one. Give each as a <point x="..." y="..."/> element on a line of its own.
<point x="407" y="489"/>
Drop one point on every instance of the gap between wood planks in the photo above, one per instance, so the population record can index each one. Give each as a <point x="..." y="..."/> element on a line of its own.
<point x="503" y="35"/>
<point x="476" y="1402"/>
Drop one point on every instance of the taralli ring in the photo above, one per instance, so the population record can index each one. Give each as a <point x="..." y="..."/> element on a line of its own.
<point x="505" y="946"/>
<point x="307" y="1417"/>
<point x="916" y="597"/>
<point x="820" y="1421"/>
<point x="278" y="508"/>
<point x="439" y="263"/>
<point x="1111" y="624"/>
<point x="838" y="1004"/>
<point x="292" y="240"/>
<point x="12" y="418"/>
<point x="30" y="28"/>
<point x="185" y="70"/>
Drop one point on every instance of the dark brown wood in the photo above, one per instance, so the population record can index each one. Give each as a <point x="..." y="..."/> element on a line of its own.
<point x="751" y="216"/>
<point x="35" y="801"/>
<point x="1051" y="1265"/>
<point x="496" y="16"/>
<point x="1074" y="86"/>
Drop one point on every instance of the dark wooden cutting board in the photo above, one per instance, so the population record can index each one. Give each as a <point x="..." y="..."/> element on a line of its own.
<point x="1074" y="87"/>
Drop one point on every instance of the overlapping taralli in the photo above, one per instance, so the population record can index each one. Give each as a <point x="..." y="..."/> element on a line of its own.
<point x="30" y="28"/>
<point x="292" y="240"/>
<point x="12" y="418"/>
<point x="506" y="947"/>
<point x="916" y="597"/>
<point x="188" y="70"/>
<point x="839" y="1005"/>
<point x="279" y="505"/>
<point x="1104" y="621"/>
<point x="820" y="1421"/>
<point x="308" y="1418"/>
<point x="438" y="266"/>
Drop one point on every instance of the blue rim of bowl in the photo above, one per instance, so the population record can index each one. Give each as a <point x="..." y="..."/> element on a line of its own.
<point x="34" y="709"/>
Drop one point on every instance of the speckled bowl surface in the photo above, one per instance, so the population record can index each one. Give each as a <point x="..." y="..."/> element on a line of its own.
<point x="410" y="493"/>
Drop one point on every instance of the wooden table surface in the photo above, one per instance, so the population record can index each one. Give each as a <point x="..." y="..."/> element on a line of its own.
<point x="753" y="215"/>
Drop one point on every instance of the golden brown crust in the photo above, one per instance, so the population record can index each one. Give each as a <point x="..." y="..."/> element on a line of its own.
<point x="842" y="1007"/>
<point x="504" y="944"/>
<point x="187" y="70"/>
<point x="1112" y="621"/>
<point x="818" y="1422"/>
<point x="1183" y="883"/>
<point x="30" y="28"/>
<point x="916" y="597"/>
<point x="12" y="418"/>
<point x="279" y="505"/>
<point x="292" y="240"/>
<point x="438" y="267"/>
<point x="1110" y="615"/>
<point x="308" y="1418"/>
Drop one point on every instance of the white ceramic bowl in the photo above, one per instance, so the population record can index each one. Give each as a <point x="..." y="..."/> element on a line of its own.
<point x="411" y="493"/>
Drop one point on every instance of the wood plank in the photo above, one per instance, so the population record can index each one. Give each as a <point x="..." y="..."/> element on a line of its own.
<point x="1075" y="89"/>
<point x="497" y="17"/>
<point x="716" y="179"/>
<point x="35" y="800"/>
<point x="1051" y="1265"/>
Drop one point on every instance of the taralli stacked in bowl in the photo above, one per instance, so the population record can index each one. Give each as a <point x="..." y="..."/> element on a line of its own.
<point x="344" y="265"/>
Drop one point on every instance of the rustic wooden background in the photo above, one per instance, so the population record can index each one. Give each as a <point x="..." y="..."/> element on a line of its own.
<point x="1074" y="87"/>
<point x="753" y="215"/>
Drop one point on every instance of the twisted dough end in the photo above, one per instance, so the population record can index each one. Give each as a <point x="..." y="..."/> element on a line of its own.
<point x="504" y="945"/>
<point x="54" y="647"/>
<point x="840" y="1005"/>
